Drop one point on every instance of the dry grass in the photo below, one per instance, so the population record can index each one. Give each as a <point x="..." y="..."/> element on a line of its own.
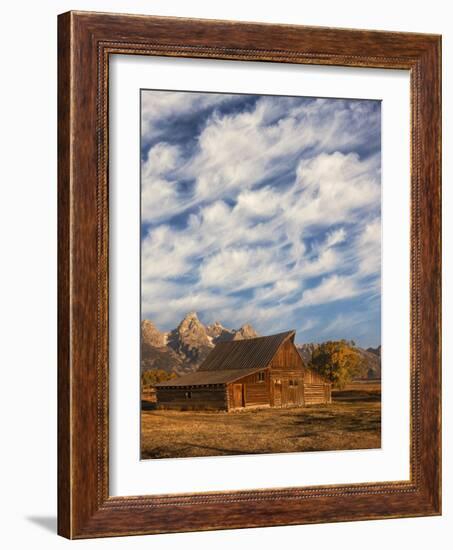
<point x="352" y="421"/>
<point x="366" y="386"/>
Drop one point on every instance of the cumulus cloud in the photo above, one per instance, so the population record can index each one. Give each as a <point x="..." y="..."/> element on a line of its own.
<point x="265" y="208"/>
<point x="159" y="106"/>
<point x="159" y="192"/>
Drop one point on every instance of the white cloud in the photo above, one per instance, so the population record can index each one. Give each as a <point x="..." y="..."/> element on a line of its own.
<point x="331" y="289"/>
<point x="172" y="301"/>
<point x="281" y="289"/>
<point x="335" y="237"/>
<point x="235" y="152"/>
<point x="325" y="258"/>
<point x="156" y="106"/>
<point x="262" y="202"/>
<point x="331" y="188"/>
<point x="342" y="323"/>
<point x="159" y="192"/>
<point x="307" y="325"/>
<point x="369" y="248"/>
<point x="158" y="196"/>
<point x="239" y="268"/>
<point x="239" y="150"/>
<point x="243" y="233"/>
<point x="326" y="262"/>
<point x="161" y="158"/>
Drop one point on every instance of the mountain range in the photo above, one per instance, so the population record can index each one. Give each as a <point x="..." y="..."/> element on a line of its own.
<point x="184" y="348"/>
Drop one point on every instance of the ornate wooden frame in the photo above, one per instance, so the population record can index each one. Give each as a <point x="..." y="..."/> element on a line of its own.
<point x="85" y="41"/>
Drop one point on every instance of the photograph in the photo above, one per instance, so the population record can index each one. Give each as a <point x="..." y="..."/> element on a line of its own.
<point x="260" y="241"/>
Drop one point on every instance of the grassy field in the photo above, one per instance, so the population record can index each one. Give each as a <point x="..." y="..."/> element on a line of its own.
<point x="352" y="421"/>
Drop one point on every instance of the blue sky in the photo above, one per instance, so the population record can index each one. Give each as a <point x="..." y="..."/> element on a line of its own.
<point x="262" y="210"/>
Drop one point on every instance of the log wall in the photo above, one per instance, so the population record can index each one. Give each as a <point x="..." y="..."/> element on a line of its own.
<point x="188" y="398"/>
<point x="317" y="394"/>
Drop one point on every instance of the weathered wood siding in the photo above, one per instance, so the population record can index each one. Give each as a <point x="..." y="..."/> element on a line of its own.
<point x="316" y="389"/>
<point x="287" y="377"/>
<point x="256" y="392"/>
<point x="312" y="377"/>
<point x="317" y="394"/>
<point x="196" y="398"/>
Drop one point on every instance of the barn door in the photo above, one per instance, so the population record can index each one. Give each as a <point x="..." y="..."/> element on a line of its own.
<point x="238" y="395"/>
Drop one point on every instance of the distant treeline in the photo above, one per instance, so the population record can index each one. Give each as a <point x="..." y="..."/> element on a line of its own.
<point x="151" y="377"/>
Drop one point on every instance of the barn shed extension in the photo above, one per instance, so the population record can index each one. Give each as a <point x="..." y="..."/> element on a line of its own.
<point x="258" y="372"/>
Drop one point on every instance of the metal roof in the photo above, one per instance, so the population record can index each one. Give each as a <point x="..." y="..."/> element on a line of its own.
<point x="245" y="354"/>
<point x="229" y="361"/>
<point x="207" y="378"/>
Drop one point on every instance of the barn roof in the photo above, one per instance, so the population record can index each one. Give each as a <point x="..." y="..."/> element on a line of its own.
<point x="208" y="377"/>
<point x="229" y="361"/>
<point x="245" y="354"/>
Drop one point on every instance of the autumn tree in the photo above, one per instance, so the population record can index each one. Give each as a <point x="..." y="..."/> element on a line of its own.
<point x="338" y="361"/>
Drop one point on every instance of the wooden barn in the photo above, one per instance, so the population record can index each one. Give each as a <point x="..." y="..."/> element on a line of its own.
<point x="258" y="372"/>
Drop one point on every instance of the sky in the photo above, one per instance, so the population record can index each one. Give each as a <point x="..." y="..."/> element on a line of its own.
<point x="263" y="210"/>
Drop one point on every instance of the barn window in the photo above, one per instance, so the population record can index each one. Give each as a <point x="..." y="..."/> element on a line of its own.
<point x="296" y="382"/>
<point x="188" y="395"/>
<point x="261" y="377"/>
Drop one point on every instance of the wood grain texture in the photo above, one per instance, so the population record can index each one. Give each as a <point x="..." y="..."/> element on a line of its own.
<point x="64" y="370"/>
<point x="85" y="42"/>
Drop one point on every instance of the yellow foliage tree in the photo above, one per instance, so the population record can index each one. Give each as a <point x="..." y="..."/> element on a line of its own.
<point x="338" y="361"/>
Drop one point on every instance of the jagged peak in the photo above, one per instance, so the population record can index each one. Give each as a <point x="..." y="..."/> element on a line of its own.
<point x="191" y="324"/>
<point x="245" y="331"/>
<point x="151" y="334"/>
<point x="189" y="318"/>
<point x="191" y="315"/>
<point x="216" y="326"/>
<point x="147" y="322"/>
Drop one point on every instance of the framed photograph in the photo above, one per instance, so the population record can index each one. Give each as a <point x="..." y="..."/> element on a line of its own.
<point x="249" y="275"/>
